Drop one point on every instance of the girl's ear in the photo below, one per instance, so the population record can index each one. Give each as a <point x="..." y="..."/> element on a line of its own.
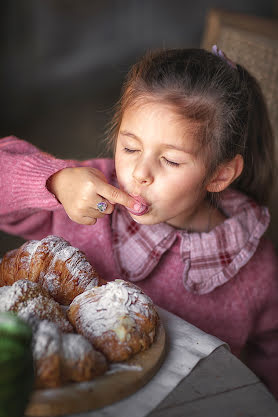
<point x="225" y="174"/>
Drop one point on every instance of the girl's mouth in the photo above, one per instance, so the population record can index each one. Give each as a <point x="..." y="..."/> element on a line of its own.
<point x="141" y="208"/>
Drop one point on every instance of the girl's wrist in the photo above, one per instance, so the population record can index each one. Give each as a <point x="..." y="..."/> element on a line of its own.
<point x="52" y="184"/>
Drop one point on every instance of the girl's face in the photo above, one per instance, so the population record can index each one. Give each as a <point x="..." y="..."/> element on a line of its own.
<point x="157" y="161"/>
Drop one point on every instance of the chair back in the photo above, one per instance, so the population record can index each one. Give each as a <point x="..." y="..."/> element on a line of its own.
<point x="253" y="43"/>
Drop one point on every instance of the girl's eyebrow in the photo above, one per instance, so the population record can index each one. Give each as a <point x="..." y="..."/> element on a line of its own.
<point x="168" y="146"/>
<point x="179" y="148"/>
<point x="132" y="135"/>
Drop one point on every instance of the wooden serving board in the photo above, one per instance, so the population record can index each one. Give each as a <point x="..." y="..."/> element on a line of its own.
<point x="122" y="381"/>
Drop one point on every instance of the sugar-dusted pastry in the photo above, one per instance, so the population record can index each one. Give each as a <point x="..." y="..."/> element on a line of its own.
<point x="29" y="299"/>
<point x="118" y="318"/>
<point x="46" y="348"/>
<point x="63" y="358"/>
<point x="60" y="268"/>
<point x="51" y="285"/>
<point x="80" y="361"/>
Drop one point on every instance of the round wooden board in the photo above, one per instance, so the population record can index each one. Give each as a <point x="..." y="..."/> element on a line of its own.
<point x="103" y="390"/>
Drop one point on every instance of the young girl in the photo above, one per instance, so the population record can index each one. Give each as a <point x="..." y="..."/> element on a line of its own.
<point x="181" y="213"/>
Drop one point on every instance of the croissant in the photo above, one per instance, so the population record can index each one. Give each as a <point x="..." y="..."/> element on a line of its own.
<point x="30" y="301"/>
<point x="117" y="318"/>
<point x="58" y="267"/>
<point x="61" y="358"/>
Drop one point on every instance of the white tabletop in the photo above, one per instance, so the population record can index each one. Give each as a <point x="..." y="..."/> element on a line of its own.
<point x="218" y="385"/>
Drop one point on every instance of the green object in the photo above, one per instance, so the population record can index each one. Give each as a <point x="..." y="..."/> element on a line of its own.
<point x="16" y="365"/>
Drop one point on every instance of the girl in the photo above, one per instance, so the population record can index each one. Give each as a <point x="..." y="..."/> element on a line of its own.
<point x="181" y="213"/>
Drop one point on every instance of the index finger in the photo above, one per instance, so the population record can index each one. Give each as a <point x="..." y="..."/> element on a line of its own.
<point x="115" y="195"/>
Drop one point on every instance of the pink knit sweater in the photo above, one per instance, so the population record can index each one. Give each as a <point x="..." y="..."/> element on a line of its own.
<point x="225" y="282"/>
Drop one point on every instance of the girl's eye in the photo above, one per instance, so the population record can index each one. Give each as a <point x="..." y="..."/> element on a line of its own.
<point x="127" y="150"/>
<point x="172" y="164"/>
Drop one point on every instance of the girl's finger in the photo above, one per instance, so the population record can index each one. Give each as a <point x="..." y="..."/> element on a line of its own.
<point x="88" y="220"/>
<point x="92" y="213"/>
<point x="83" y="219"/>
<point x="104" y="206"/>
<point x="115" y="195"/>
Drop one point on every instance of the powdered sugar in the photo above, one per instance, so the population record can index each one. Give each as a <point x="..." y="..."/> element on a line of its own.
<point x="120" y="367"/>
<point x="61" y="358"/>
<point x="50" y="282"/>
<point x="11" y="295"/>
<point x="52" y="259"/>
<point x="55" y="264"/>
<point x="75" y="262"/>
<point x="27" y="300"/>
<point x="30" y="247"/>
<point x="46" y="340"/>
<point x="4" y="292"/>
<point x="64" y="254"/>
<point x="115" y="306"/>
<point x="75" y="346"/>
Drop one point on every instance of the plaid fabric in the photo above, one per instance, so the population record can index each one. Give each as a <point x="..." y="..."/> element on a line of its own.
<point x="210" y="259"/>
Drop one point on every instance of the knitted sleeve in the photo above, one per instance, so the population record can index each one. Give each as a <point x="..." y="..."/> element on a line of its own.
<point x="262" y="347"/>
<point x="26" y="205"/>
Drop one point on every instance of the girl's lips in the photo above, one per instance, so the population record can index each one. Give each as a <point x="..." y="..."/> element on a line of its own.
<point x="142" y="208"/>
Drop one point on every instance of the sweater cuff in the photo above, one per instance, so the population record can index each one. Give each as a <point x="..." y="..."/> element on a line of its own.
<point x="28" y="183"/>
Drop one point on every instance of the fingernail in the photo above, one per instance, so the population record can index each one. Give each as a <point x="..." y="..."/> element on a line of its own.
<point x="137" y="207"/>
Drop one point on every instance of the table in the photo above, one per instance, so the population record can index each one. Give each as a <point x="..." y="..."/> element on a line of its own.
<point x="219" y="386"/>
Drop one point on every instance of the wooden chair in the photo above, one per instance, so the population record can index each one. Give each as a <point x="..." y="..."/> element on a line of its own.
<point x="252" y="42"/>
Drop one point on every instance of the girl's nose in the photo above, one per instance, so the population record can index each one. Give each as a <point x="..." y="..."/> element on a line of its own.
<point x="142" y="173"/>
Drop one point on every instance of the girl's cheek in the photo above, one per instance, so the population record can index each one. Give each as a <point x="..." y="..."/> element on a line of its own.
<point x="122" y="171"/>
<point x="122" y="168"/>
<point x="125" y="166"/>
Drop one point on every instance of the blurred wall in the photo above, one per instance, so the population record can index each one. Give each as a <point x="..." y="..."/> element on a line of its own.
<point x="63" y="63"/>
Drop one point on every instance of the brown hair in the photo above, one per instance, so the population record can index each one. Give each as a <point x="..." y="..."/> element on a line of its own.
<point x="226" y="103"/>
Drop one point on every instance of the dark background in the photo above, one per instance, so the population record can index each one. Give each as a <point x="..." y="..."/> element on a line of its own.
<point x="63" y="63"/>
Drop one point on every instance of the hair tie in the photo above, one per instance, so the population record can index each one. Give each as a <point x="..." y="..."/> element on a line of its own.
<point x="216" y="51"/>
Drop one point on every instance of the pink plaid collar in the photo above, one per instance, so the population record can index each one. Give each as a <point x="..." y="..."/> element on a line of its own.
<point x="210" y="259"/>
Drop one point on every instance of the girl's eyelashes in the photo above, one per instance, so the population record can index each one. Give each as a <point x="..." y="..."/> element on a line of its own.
<point x="171" y="163"/>
<point x="127" y="150"/>
<point x="166" y="161"/>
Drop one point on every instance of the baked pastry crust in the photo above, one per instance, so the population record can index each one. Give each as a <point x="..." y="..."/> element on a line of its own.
<point x="58" y="267"/>
<point x="118" y="318"/>
<point x="113" y="320"/>
<point x="62" y="358"/>
<point x="28" y="299"/>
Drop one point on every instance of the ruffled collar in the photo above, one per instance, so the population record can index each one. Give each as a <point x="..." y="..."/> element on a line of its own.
<point x="210" y="259"/>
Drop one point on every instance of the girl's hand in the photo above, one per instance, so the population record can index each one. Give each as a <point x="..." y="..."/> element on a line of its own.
<point x="79" y="190"/>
